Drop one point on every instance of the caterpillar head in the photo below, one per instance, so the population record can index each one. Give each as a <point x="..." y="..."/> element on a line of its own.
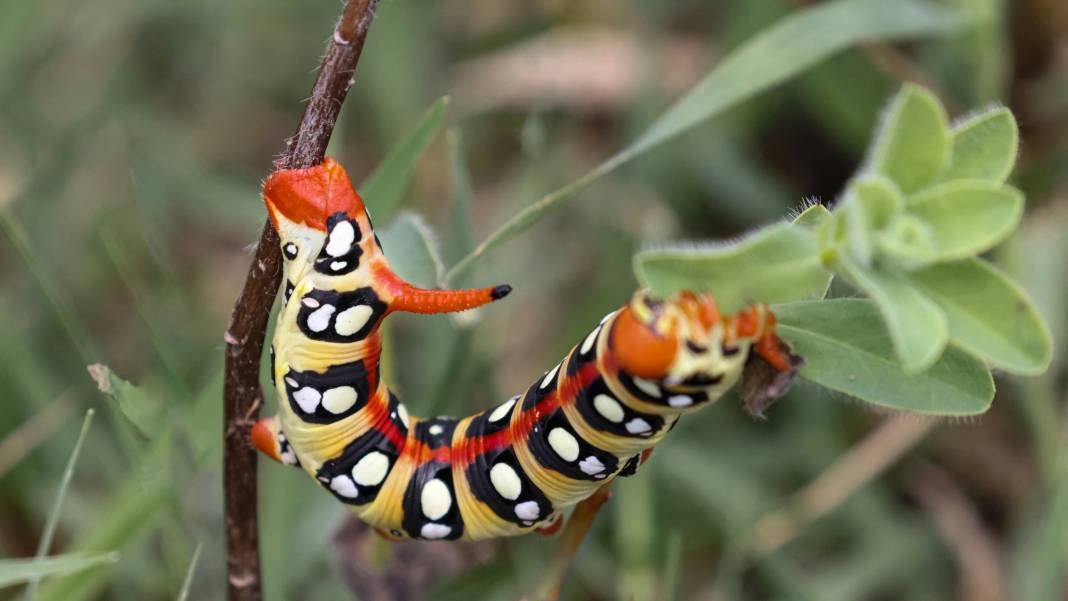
<point x="319" y="217"/>
<point x="683" y="342"/>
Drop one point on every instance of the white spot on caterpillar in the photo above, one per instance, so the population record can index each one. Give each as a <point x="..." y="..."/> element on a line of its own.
<point x="435" y="531"/>
<point x="292" y="382"/>
<point x="402" y="411"/>
<point x="289" y="458"/>
<point x="309" y="302"/>
<point x="308" y="399"/>
<point x="352" y="320"/>
<point x="338" y="265"/>
<point x="320" y="318"/>
<point x="502" y="409"/>
<point x="606" y="317"/>
<point x="609" y="408"/>
<point x="344" y="486"/>
<point x="435" y="429"/>
<point x="638" y="426"/>
<point x="371" y="469"/>
<point x="549" y="376"/>
<point x="527" y="510"/>
<point x="565" y="445"/>
<point x="680" y="400"/>
<point x="505" y="481"/>
<point x="435" y="499"/>
<point x="341" y="239"/>
<point x="588" y="343"/>
<point x="647" y="387"/>
<point x="591" y="465"/>
<point x="340" y="399"/>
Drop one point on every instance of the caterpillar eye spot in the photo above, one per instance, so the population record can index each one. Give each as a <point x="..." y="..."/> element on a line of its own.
<point x="290" y="251"/>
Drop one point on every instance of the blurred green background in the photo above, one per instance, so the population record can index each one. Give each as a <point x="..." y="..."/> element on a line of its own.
<point x="133" y="138"/>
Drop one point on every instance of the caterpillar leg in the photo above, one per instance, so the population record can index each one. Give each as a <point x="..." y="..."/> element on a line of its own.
<point x="402" y="296"/>
<point x="758" y="322"/>
<point x="268" y="438"/>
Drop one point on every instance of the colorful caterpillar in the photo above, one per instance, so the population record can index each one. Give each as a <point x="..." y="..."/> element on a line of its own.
<point x="501" y="472"/>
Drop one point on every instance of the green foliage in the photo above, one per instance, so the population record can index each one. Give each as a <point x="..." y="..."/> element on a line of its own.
<point x="387" y="183"/>
<point x="846" y="348"/>
<point x="781" y="263"/>
<point x="19" y="571"/>
<point x="907" y="233"/>
<point x="773" y="57"/>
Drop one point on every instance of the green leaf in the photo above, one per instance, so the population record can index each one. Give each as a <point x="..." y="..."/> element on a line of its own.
<point x="773" y="56"/>
<point x="19" y="571"/>
<point x="777" y="264"/>
<point x="984" y="147"/>
<point x="812" y="217"/>
<point x="967" y="217"/>
<point x="916" y="324"/>
<point x="988" y="314"/>
<point x="385" y="185"/>
<point x="912" y="144"/>
<point x="461" y="238"/>
<point x="871" y="203"/>
<point x="144" y="411"/>
<point x="413" y="250"/>
<point x="846" y="348"/>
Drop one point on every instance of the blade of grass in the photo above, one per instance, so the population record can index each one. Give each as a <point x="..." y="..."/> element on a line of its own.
<point x="388" y="181"/>
<point x="57" y="504"/>
<point x="79" y="336"/>
<point x="19" y="571"/>
<point x="29" y="435"/>
<point x="772" y="57"/>
<point x="160" y="342"/>
<point x="183" y="594"/>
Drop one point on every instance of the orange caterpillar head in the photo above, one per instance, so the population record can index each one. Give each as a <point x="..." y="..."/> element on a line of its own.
<point x="683" y="340"/>
<point x="324" y="229"/>
<point x="306" y="207"/>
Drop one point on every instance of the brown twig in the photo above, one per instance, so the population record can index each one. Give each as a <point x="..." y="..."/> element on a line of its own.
<point x="242" y="395"/>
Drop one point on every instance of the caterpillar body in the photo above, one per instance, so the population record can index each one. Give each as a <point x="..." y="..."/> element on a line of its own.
<point x="502" y="472"/>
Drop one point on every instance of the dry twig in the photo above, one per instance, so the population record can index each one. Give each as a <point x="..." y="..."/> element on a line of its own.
<point x="242" y="395"/>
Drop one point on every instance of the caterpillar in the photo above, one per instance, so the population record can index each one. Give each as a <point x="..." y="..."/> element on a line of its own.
<point x="501" y="472"/>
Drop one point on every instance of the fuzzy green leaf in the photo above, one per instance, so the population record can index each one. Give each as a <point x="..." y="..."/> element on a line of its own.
<point x="413" y="250"/>
<point x="912" y="145"/>
<point x="846" y="348"/>
<point x="984" y="147"/>
<point x="988" y="314"/>
<point x="967" y="217"/>
<point x="871" y="204"/>
<point x="916" y="324"/>
<point x="387" y="182"/>
<point x="812" y="217"/>
<point x="777" y="264"/>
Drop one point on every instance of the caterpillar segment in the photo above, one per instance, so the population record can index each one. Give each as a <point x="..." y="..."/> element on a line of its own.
<point x="507" y="470"/>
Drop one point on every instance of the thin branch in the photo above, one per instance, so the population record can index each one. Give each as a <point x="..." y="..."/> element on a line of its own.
<point x="242" y="396"/>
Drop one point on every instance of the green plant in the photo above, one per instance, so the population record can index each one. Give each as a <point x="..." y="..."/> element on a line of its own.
<point x="906" y="232"/>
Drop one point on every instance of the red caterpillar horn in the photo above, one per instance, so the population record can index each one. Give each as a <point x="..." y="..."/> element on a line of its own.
<point x="410" y="299"/>
<point x="312" y="197"/>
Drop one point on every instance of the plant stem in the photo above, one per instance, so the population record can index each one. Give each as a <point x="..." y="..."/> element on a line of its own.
<point x="242" y="396"/>
<point x="578" y="524"/>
